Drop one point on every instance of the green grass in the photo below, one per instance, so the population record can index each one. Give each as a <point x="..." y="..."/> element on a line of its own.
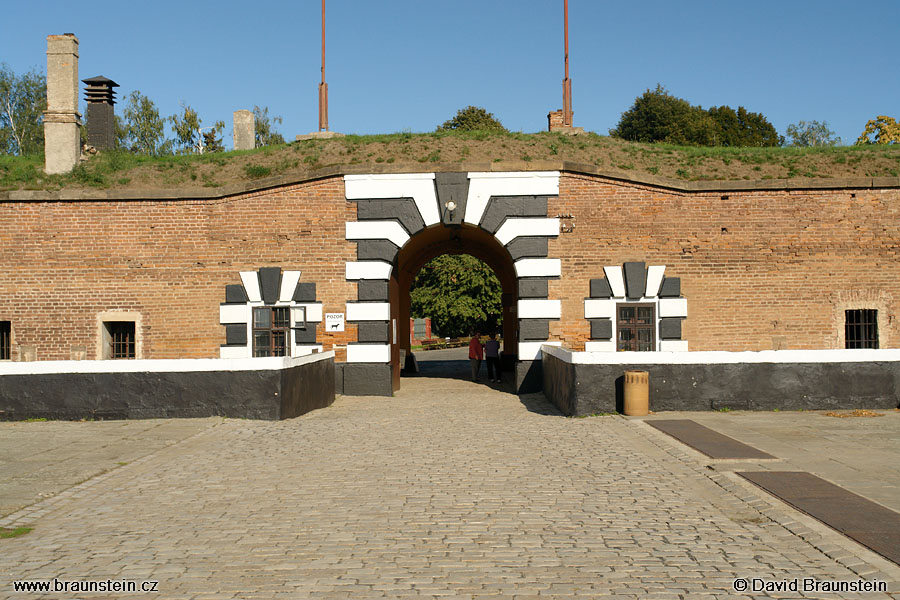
<point x="5" y="532"/>
<point x="36" y="420"/>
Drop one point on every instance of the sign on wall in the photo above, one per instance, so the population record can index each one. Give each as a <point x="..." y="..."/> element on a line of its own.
<point x="334" y="322"/>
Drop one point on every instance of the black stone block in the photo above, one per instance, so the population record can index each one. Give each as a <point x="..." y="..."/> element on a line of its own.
<point x="601" y="329"/>
<point x="527" y="247"/>
<point x="372" y="290"/>
<point x="305" y="292"/>
<point x="367" y="379"/>
<point x="235" y="294"/>
<point x="270" y="284"/>
<point x="403" y="210"/>
<point x="535" y="330"/>
<point x="532" y="288"/>
<point x="635" y="279"/>
<point x="671" y="287"/>
<point x="373" y="331"/>
<point x="306" y="335"/>
<point x="670" y="328"/>
<point x="452" y="187"/>
<point x="376" y="250"/>
<point x="236" y="334"/>
<point x="600" y="288"/>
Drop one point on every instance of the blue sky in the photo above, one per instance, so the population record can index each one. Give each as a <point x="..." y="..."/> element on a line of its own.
<point x="395" y="65"/>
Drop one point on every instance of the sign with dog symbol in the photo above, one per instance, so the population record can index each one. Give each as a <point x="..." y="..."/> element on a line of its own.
<point x="334" y="322"/>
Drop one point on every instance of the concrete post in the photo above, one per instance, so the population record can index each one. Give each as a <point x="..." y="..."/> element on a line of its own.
<point x="62" y="123"/>
<point x="244" y="130"/>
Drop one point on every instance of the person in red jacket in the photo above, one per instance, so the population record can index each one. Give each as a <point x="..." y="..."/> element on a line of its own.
<point x="476" y="354"/>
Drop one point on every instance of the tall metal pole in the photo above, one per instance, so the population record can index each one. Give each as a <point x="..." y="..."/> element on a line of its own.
<point x="567" y="83"/>
<point x="323" y="87"/>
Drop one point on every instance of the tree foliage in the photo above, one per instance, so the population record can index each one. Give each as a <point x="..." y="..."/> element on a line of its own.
<point x="472" y="118"/>
<point x="188" y="133"/>
<point x="140" y="129"/>
<point x="883" y="130"/>
<point x="265" y="127"/>
<point x="23" y="100"/>
<point x="459" y="293"/>
<point x="807" y="134"/>
<point x="658" y="116"/>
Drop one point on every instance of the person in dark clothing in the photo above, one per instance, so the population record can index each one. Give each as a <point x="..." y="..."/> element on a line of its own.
<point x="492" y="356"/>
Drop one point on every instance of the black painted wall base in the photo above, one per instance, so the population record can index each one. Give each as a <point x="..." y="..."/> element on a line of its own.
<point x="579" y="390"/>
<point x="276" y="394"/>
<point x="366" y="379"/>
<point x="529" y="377"/>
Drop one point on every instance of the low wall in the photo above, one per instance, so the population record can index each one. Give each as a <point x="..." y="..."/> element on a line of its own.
<point x="255" y="388"/>
<point x="583" y="383"/>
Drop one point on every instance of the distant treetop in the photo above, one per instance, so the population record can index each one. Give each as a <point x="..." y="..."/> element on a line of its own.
<point x="472" y="118"/>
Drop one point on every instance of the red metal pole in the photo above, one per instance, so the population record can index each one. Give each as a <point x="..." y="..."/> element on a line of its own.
<point x="567" y="83"/>
<point x="323" y="87"/>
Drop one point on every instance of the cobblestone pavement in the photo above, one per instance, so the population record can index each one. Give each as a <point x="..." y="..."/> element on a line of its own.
<point x="449" y="490"/>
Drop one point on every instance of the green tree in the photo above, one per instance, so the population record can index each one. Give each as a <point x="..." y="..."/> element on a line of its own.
<point x="658" y="116"/>
<point x="472" y="118"/>
<point x="459" y="293"/>
<point x="883" y="130"/>
<point x="265" y="128"/>
<point x="140" y="129"/>
<point x="23" y="101"/>
<point x="212" y="139"/>
<point x="807" y="134"/>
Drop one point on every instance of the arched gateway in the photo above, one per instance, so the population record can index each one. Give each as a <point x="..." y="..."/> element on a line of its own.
<point x="405" y="220"/>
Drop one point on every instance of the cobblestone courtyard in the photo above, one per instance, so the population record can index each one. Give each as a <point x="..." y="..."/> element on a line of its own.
<point x="450" y="490"/>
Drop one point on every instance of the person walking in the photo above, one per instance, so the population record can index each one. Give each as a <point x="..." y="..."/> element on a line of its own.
<point x="476" y="354"/>
<point x="492" y="356"/>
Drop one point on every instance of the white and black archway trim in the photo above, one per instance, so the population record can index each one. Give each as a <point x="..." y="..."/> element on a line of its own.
<point x="512" y="206"/>
<point x="269" y="286"/>
<point x="634" y="283"/>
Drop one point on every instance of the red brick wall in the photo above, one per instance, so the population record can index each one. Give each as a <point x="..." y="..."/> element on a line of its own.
<point x="761" y="270"/>
<point x="65" y="262"/>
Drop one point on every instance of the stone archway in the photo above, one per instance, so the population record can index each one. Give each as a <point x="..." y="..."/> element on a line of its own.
<point x="403" y="220"/>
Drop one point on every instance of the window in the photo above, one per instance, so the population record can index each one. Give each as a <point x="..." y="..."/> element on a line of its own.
<point x="271" y="329"/>
<point x="861" y="328"/>
<point x="5" y="340"/>
<point x="635" y="327"/>
<point x="119" y="338"/>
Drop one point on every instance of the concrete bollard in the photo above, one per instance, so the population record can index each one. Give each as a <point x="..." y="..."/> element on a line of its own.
<point x="637" y="393"/>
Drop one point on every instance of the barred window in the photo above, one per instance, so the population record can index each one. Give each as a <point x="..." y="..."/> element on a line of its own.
<point x="861" y="328"/>
<point x="635" y="327"/>
<point x="271" y="331"/>
<point x="120" y="339"/>
<point x="5" y="340"/>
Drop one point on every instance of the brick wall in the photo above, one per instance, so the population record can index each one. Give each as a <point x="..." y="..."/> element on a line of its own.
<point x="63" y="263"/>
<point x="761" y="270"/>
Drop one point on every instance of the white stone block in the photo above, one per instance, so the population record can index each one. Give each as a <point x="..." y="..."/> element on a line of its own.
<point x="233" y="313"/>
<point x="654" y="280"/>
<point x="605" y="346"/>
<point x="673" y="346"/>
<point x="538" y="267"/>
<point x="234" y="351"/>
<point x="672" y="307"/>
<point x="377" y="230"/>
<point x="616" y="280"/>
<point x="369" y="269"/>
<point x="306" y="350"/>
<point x="370" y="353"/>
<point x="526" y="183"/>
<point x="599" y="309"/>
<point x="251" y="285"/>
<point x="289" y="281"/>
<point x="532" y="350"/>
<point x="539" y="309"/>
<point x="368" y="311"/>
<point x="313" y="312"/>
<point x="418" y="186"/>
<point x="515" y="227"/>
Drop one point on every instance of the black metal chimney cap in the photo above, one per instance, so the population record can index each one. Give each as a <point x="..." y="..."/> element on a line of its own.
<point x="100" y="80"/>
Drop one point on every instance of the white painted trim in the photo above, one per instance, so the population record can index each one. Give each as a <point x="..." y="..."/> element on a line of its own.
<point x="368" y="311"/>
<point x="307" y="350"/>
<point x="418" y="186"/>
<point x="616" y="280"/>
<point x="721" y="357"/>
<point x="313" y="311"/>
<point x="521" y="227"/>
<point x="289" y="280"/>
<point x="673" y="346"/>
<point x="539" y="309"/>
<point x="604" y="346"/>
<point x="368" y="353"/>
<point x="369" y="269"/>
<point x="654" y="280"/>
<point x="532" y="350"/>
<point x="672" y="307"/>
<point x="234" y="352"/>
<point x="251" y="285"/>
<point x="377" y="230"/>
<point x="178" y="365"/>
<point x="538" y="267"/>
<point x="234" y="313"/>
<point x="600" y="308"/>
<point x="513" y="183"/>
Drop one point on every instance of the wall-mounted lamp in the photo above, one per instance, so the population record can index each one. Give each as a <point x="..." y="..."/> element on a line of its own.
<point x="450" y="206"/>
